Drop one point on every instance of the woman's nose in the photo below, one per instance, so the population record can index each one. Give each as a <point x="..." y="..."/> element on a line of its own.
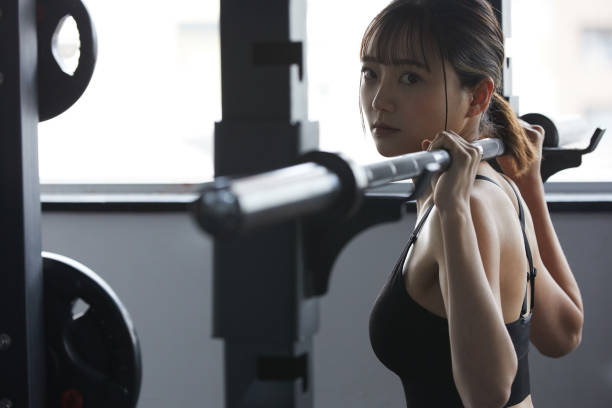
<point x="383" y="100"/>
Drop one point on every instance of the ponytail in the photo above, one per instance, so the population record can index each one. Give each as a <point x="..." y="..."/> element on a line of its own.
<point x="504" y="124"/>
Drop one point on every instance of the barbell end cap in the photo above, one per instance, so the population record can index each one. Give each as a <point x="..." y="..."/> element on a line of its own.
<point x="217" y="210"/>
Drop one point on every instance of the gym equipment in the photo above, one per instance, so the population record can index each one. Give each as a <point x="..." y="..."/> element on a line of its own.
<point x="323" y="181"/>
<point x="22" y="356"/>
<point x="93" y="356"/>
<point x="554" y="157"/>
<point x="91" y="359"/>
<point x="57" y="90"/>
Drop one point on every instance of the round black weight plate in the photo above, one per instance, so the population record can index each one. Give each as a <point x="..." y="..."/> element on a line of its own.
<point x="93" y="355"/>
<point x="57" y="90"/>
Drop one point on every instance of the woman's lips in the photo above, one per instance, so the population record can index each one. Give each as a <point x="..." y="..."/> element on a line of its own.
<point x="383" y="132"/>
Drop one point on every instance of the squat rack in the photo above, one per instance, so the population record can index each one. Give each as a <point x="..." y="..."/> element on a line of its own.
<point x="22" y="352"/>
<point x="266" y="319"/>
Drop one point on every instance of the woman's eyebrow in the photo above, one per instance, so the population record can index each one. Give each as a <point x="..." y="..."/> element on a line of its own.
<point x="402" y="61"/>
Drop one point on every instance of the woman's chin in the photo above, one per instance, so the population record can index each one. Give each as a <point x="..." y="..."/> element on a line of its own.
<point x="387" y="150"/>
<point x="385" y="153"/>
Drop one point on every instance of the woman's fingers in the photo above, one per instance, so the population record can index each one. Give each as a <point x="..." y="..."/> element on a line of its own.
<point x="452" y="188"/>
<point x="539" y="129"/>
<point x="459" y="149"/>
<point x="535" y="133"/>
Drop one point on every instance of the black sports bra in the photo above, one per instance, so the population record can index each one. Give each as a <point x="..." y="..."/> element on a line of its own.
<point x="414" y="343"/>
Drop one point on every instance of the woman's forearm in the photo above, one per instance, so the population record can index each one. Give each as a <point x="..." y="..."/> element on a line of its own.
<point x="483" y="356"/>
<point x="549" y="246"/>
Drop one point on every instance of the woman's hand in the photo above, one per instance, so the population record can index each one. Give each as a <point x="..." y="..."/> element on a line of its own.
<point x="535" y="134"/>
<point x="452" y="188"/>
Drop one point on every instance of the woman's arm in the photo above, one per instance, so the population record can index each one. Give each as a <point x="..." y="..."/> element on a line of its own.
<point x="483" y="356"/>
<point x="532" y="191"/>
<point x="558" y="312"/>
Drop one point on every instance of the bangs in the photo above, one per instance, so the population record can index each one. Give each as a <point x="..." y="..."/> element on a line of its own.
<point x="392" y="37"/>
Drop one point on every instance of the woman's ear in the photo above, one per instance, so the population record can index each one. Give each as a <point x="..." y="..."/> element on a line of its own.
<point x="481" y="95"/>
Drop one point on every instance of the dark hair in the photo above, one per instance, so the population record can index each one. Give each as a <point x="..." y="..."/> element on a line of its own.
<point x="470" y="39"/>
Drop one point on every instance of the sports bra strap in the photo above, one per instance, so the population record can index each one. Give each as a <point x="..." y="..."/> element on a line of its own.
<point x="413" y="237"/>
<point x="532" y="271"/>
<point x="417" y="230"/>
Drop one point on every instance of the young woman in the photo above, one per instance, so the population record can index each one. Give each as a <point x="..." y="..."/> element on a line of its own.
<point x="455" y="318"/>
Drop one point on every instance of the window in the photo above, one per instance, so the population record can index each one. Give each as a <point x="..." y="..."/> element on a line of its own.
<point x="148" y="115"/>
<point x="596" y="45"/>
<point x="563" y="63"/>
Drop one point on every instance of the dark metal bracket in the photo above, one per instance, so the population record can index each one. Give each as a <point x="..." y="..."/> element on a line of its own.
<point x="555" y="159"/>
<point x="325" y="238"/>
<point x="279" y="53"/>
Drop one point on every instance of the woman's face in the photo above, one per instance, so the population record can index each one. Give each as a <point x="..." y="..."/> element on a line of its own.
<point x="410" y="99"/>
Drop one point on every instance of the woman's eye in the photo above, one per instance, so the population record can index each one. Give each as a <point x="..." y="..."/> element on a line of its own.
<point x="367" y="73"/>
<point x="410" y="78"/>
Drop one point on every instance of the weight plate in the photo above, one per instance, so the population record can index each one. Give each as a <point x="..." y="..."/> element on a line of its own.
<point x="93" y="355"/>
<point x="57" y="90"/>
